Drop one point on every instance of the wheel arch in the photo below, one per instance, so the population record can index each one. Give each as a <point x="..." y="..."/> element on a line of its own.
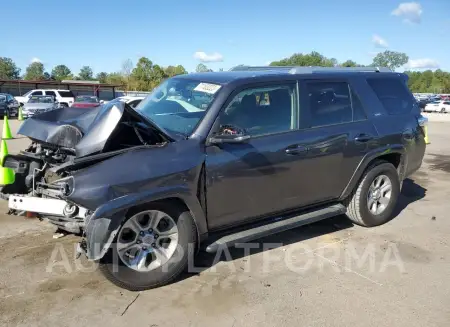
<point x="394" y="154"/>
<point x="104" y="224"/>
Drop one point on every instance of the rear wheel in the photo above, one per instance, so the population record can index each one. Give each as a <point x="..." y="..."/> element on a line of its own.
<point x="374" y="199"/>
<point x="443" y="111"/>
<point x="152" y="247"/>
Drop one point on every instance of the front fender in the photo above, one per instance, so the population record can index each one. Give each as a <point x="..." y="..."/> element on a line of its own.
<point x="371" y="156"/>
<point x="103" y="225"/>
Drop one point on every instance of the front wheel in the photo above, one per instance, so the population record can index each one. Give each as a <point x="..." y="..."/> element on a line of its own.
<point x="151" y="248"/>
<point x="374" y="199"/>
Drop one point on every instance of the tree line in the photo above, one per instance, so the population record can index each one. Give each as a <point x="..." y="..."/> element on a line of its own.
<point x="145" y="75"/>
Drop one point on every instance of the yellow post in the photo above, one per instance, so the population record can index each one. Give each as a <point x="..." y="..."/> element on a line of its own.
<point x="20" y="115"/>
<point x="425" y="129"/>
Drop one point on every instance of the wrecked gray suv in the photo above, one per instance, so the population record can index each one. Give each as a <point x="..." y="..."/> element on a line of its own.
<point x="210" y="160"/>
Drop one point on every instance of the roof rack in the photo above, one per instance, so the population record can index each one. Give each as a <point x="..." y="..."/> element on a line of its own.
<point x="311" y="69"/>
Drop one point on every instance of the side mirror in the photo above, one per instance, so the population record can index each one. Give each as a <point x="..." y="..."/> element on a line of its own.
<point x="229" y="138"/>
<point x="102" y="101"/>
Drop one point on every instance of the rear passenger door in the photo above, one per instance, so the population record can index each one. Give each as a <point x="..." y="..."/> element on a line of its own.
<point x="336" y="133"/>
<point x="397" y="118"/>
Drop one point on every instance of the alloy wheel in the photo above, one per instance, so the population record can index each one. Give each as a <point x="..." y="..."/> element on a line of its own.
<point x="147" y="240"/>
<point x="379" y="195"/>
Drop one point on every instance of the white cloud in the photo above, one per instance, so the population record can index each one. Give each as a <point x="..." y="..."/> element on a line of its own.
<point x="379" y="42"/>
<point x="204" y="57"/>
<point x="424" y="63"/>
<point x="35" y="59"/>
<point x="411" y="12"/>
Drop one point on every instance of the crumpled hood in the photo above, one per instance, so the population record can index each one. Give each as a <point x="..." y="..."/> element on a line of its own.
<point x="86" y="130"/>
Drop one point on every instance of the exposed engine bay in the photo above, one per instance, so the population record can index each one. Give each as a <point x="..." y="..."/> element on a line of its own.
<point x="65" y="141"/>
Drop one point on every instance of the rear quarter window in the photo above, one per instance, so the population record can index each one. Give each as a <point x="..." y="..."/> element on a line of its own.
<point x="393" y="95"/>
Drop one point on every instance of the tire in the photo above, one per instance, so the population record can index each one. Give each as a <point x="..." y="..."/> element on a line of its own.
<point x="118" y="272"/>
<point x="358" y="202"/>
<point x="443" y="111"/>
<point x="63" y="105"/>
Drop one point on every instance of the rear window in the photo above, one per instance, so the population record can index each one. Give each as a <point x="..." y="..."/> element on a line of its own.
<point x="393" y="94"/>
<point x="66" y="94"/>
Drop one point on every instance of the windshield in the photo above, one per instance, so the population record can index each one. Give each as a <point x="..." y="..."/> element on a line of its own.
<point x="178" y="104"/>
<point x="86" y="98"/>
<point x="41" y="99"/>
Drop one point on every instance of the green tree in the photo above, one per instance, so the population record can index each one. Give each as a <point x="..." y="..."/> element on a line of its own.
<point x="102" y="77"/>
<point x="202" y="68"/>
<point x="142" y="74"/>
<point x="48" y="76"/>
<point x="312" y="59"/>
<point x="8" y="69"/>
<point x="350" y="63"/>
<point x="34" y="72"/>
<point x="61" y="72"/>
<point x="390" y="59"/>
<point x="174" y="70"/>
<point x="114" y="78"/>
<point x="86" y="73"/>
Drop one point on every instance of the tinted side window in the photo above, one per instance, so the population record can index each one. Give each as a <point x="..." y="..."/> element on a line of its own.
<point x="393" y="94"/>
<point x="333" y="103"/>
<point x="264" y="110"/>
<point x="50" y="93"/>
<point x="37" y="93"/>
<point x="66" y="94"/>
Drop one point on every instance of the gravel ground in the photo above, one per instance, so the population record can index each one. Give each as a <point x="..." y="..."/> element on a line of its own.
<point x="327" y="274"/>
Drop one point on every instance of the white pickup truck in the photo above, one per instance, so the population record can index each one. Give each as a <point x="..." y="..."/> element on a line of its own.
<point x="64" y="97"/>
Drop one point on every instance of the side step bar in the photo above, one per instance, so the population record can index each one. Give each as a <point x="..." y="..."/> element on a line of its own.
<point x="277" y="227"/>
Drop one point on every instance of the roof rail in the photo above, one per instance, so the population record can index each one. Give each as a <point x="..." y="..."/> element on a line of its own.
<point x="312" y="69"/>
<point x="260" y="68"/>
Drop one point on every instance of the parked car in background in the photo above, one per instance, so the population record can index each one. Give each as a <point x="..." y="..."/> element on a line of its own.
<point x="38" y="104"/>
<point x="86" y="101"/>
<point x="422" y="103"/>
<point x="64" y="97"/>
<point x="438" y="106"/>
<point x="9" y="106"/>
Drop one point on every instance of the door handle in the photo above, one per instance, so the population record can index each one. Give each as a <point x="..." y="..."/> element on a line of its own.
<point x="296" y="149"/>
<point x="363" y="138"/>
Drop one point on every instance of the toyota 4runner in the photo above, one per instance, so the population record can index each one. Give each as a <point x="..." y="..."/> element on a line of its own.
<point x="210" y="160"/>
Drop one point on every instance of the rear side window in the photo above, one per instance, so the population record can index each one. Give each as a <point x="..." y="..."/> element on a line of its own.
<point x="393" y="94"/>
<point x="333" y="103"/>
<point x="66" y="94"/>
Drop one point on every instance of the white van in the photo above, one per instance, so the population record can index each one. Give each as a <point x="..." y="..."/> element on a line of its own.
<point x="64" y="97"/>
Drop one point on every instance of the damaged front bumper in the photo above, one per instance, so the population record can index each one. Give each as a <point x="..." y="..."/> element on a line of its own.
<point x="63" y="214"/>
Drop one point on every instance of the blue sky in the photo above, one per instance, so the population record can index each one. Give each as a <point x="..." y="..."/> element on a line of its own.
<point x="224" y="33"/>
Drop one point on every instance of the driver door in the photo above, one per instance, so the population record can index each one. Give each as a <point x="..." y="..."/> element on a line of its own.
<point x="246" y="181"/>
